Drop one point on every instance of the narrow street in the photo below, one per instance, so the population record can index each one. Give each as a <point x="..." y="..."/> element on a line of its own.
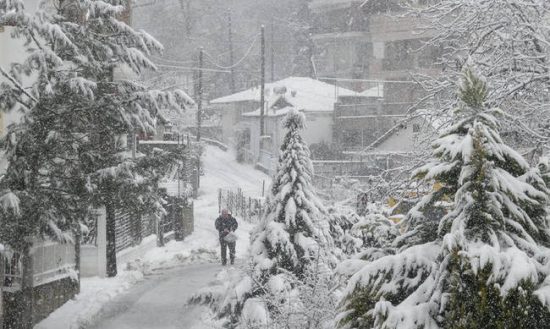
<point x="160" y="300"/>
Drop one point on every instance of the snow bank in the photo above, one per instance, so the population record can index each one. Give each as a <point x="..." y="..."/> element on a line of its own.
<point x="86" y="306"/>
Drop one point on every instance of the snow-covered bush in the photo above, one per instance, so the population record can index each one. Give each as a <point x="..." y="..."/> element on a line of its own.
<point x="376" y="231"/>
<point x="340" y="224"/>
<point x="484" y="263"/>
<point x="289" y="246"/>
<point x="374" y="236"/>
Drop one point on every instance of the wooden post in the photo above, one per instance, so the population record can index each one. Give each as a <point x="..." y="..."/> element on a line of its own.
<point x="239" y="200"/>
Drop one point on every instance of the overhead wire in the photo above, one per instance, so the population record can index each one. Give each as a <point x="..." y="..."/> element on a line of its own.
<point x="191" y="68"/>
<point x="212" y="60"/>
<point x="204" y="69"/>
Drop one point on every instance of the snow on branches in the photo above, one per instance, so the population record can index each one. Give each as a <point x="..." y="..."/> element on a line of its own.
<point x="74" y="105"/>
<point x="290" y="250"/>
<point x="506" y="40"/>
<point x="475" y="250"/>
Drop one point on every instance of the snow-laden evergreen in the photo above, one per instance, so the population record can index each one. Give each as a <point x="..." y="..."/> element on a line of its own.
<point x="290" y="251"/>
<point x="63" y="153"/>
<point x="291" y="234"/>
<point x="480" y="261"/>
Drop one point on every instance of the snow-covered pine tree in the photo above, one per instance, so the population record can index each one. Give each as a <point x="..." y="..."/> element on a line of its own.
<point x="291" y="243"/>
<point x="486" y="263"/>
<point x="72" y="109"/>
<point x="293" y="231"/>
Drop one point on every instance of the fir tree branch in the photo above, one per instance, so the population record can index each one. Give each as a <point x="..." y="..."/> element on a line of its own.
<point x="17" y="85"/>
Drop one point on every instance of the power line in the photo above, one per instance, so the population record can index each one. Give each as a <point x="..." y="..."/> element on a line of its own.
<point x="238" y="62"/>
<point x="191" y="68"/>
<point x="188" y="68"/>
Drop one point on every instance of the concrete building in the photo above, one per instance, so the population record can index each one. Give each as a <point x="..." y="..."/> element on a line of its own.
<point x="358" y="39"/>
<point x="366" y="44"/>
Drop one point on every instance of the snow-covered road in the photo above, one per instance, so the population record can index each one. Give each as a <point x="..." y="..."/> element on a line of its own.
<point x="159" y="302"/>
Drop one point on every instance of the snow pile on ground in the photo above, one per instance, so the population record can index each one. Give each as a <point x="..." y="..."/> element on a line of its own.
<point x="83" y="309"/>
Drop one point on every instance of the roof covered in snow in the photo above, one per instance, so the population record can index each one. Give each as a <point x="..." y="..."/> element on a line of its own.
<point x="304" y="94"/>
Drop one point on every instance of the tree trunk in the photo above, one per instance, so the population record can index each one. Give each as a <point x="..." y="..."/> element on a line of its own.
<point x="160" y="232"/>
<point x="77" y="239"/>
<point x="27" y="285"/>
<point x="176" y="213"/>
<point x="111" y="239"/>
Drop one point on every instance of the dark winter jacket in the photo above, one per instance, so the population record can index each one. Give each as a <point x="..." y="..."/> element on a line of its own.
<point x="229" y="224"/>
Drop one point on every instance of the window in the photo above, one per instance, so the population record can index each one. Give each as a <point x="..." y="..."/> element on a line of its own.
<point x="399" y="55"/>
<point x="429" y="56"/>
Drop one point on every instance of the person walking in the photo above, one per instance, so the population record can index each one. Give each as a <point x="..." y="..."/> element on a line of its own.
<point x="226" y="224"/>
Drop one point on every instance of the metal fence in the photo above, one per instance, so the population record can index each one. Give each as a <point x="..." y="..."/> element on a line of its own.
<point x="51" y="261"/>
<point x="248" y="208"/>
<point x="131" y="228"/>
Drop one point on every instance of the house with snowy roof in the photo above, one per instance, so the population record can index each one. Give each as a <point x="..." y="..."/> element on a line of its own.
<point x="240" y="114"/>
<point x="313" y="96"/>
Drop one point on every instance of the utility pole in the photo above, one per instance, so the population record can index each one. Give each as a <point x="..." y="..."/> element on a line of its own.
<point x="231" y="59"/>
<point x="272" y="51"/>
<point x="262" y="87"/>
<point x="199" y="113"/>
<point x="199" y="95"/>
